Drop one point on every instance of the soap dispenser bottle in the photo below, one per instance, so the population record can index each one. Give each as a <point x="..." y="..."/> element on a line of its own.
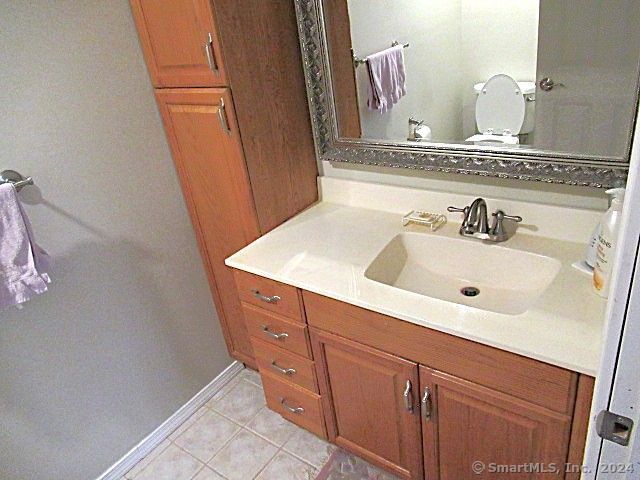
<point x="607" y="242"/>
<point x="592" y="248"/>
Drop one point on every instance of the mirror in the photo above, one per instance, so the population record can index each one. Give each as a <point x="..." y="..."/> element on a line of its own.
<point x="534" y="89"/>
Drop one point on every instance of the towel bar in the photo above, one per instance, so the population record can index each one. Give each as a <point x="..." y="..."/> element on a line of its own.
<point x="19" y="181"/>
<point x="357" y="61"/>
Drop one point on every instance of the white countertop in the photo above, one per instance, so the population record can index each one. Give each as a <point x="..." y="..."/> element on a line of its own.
<point x="327" y="248"/>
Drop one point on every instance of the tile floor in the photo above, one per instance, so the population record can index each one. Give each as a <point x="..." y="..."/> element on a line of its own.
<point x="235" y="437"/>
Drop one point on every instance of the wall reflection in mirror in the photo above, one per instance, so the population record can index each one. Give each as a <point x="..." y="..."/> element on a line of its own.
<point x="546" y="75"/>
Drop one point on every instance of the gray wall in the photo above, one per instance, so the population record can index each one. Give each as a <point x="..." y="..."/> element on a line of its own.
<point x="128" y="332"/>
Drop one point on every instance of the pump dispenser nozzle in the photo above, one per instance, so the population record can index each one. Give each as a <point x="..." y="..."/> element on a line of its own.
<point x="617" y="195"/>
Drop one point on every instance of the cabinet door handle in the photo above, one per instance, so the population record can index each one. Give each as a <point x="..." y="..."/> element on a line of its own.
<point x="277" y="336"/>
<point x="427" y="404"/>
<point x="284" y="371"/>
<point x="296" y="410"/>
<point x="264" y="298"/>
<point x="408" y="397"/>
<point x="211" y="58"/>
<point x="222" y="116"/>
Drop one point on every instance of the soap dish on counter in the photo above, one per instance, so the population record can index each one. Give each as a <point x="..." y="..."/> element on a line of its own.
<point x="432" y="220"/>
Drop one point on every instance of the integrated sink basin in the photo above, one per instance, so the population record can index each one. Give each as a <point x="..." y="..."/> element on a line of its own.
<point x="464" y="271"/>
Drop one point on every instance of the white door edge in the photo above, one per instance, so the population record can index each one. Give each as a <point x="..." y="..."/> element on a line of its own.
<point x="597" y="454"/>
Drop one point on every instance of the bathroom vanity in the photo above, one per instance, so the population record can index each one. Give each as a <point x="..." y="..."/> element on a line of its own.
<point x="417" y="383"/>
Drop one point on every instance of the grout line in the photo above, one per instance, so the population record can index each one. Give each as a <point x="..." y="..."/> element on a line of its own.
<point x="306" y="462"/>
<point x="266" y="464"/>
<point x="264" y="437"/>
<point x="224" y="444"/>
<point x="236" y="421"/>
<point x="213" y="468"/>
<point x="302" y="459"/>
<point x="268" y="440"/>
<point x="231" y="384"/>
<point x="188" y="453"/>
<point x="198" y="472"/>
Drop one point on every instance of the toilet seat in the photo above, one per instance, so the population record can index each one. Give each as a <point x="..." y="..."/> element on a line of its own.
<point x="484" y="139"/>
<point x="500" y="107"/>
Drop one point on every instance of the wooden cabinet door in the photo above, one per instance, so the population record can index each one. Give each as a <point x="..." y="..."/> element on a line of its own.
<point x="203" y="135"/>
<point x="180" y="42"/>
<point x="470" y="430"/>
<point x="364" y="393"/>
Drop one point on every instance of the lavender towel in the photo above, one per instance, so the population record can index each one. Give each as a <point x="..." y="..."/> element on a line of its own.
<point x="386" y="78"/>
<point x="23" y="264"/>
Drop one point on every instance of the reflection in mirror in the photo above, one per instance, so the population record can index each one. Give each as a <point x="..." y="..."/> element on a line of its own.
<point x="547" y="75"/>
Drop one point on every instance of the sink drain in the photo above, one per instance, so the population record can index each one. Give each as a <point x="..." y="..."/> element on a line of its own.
<point x="470" y="291"/>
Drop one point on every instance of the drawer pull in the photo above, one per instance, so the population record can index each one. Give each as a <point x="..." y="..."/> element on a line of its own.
<point x="427" y="404"/>
<point x="296" y="410"/>
<point x="284" y="371"/>
<point x="277" y="336"/>
<point x="264" y="298"/>
<point x="408" y="397"/>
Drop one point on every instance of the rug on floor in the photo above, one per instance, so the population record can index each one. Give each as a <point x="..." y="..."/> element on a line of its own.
<point x="342" y="465"/>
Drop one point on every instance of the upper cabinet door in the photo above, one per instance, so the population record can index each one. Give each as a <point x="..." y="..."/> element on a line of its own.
<point x="470" y="431"/>
<point x="180" y="42"/>
<point x="371" y="403"/>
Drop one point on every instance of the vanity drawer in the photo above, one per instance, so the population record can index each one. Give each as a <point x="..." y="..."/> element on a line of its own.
<point x="274" y="360"/>
<point x="270" y="295"/>
<point x="297" y="405"/>
<point x="277" y="330"/>
<point x="537" y="382"/>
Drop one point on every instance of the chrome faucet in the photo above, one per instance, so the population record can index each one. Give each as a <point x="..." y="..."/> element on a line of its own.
<point x="476" y="222"/>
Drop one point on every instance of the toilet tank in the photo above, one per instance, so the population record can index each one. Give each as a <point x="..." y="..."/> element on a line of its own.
<point x="529" y="91"/>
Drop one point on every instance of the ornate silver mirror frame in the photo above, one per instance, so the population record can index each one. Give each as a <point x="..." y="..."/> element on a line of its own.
<point x="530" y="165"/>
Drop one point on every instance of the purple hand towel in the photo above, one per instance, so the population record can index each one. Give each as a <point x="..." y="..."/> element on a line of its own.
<point x="386" y="78"/>
<point x="23" y="264"/>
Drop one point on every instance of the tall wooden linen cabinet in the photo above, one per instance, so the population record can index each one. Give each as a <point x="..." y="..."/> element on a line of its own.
<point x="230" y="88"/>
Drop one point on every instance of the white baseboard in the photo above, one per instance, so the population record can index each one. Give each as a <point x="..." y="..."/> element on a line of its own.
<point x="155" y="438"/>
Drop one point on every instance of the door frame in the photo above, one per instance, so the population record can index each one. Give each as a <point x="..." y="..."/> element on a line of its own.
<point x="618" y="364"/>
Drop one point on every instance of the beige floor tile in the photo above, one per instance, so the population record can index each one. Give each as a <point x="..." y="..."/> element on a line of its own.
<point x="285" y="466"/>
<point x="172" y="464"/>
<point x="146" y="460"/>
<point x="187" y="423"/>
<point x="272" y="426"/>
<point x="309" y="448"/>
<point x="207" y="474"/>
<point x="251" y="376"/>
<point x="224" y="390"/>
<point x="207" y="435"/>
<point x="242" y="403"/>
<point x="243" y="457"/>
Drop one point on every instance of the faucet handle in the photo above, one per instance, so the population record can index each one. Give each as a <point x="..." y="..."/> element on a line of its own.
<point x="499" y="214"/>
<point x="458" y="210"/>
<point x="497" y="231"/>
